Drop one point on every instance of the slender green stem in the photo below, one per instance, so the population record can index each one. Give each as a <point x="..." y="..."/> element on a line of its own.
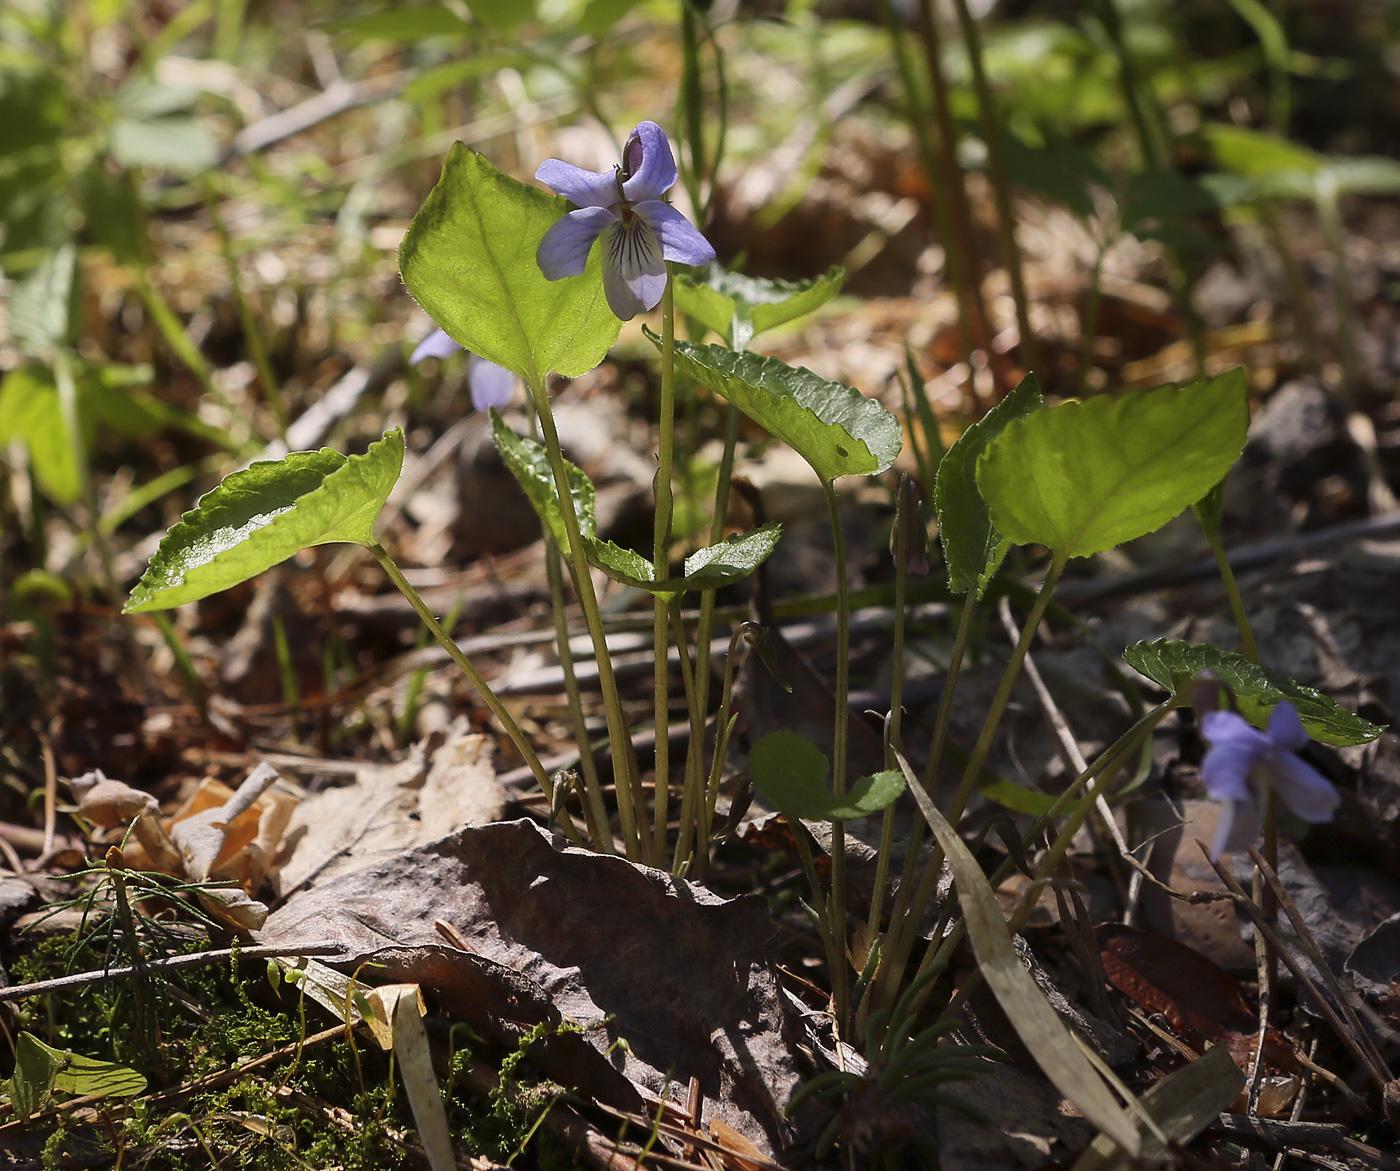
<point x="620" y="744"/>
<point x="983" y="747"/>
<point x="1296" y="283"/>
<point x="1330" y="217"/>
<point x="693" y="794"/>
<point x="445" y="640"/>
<point x="705" y="625"/>
<point x="724" y="726"/>
<point x="252" y="335"/>
<point x="595" y="813"/>
<point x="893" y="741"/>
<point x="180" y="341"/>
<point x="840" y="980"/>
<point x="661" y="565"/>
<point x="1084" y="798"/>
<point x="904" y="927"/>
<point x="939" y="197"/>
<point x="1232" y="591"/>
<point x="692" y="101"/>
<point x="1001" y="185"/>
<point x="833" y="938"/>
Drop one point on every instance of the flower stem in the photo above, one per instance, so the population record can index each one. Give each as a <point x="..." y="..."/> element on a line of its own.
<point x="661" y="566"/>
<point x="693" y="794"/>
<point x="1232" y="590"/>
<point x="619" y="743"/>
<point x="840" y="982"/>
<point x="595" y="814"/>
<point x="978" y="757"/>
<point x="893" y="742"/>
<point x="498" y="709"/>
<point x="903" y="925"/>
<point x="983" y="747"/>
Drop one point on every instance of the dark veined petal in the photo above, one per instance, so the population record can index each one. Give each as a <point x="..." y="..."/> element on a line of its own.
<point x="579" y="187"/>
<point x="1239" y="826"/>
<point x="436" y="345"/>
<point x="491" y="385"/>
<point x="649" y="168"/>
<point x="564" y="249"/>
<point x="1235" y="748"/>
<point x="634" y="272"/>
<point x="1302" y="788"/>
<point x="680" y="240"/>
<point x="1286" y="729"/>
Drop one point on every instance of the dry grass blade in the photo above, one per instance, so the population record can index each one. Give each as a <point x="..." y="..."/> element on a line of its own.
<point x="1037" y="1024"/>
<point x="1182" y="1104"/>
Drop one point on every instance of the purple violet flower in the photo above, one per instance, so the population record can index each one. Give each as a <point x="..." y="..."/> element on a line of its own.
<point x="639" y="229"/>
<point x="491" y="385"/>
<point x="1241" y="755"/>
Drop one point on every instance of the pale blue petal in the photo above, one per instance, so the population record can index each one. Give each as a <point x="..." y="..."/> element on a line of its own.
<point x="1286" y="729"/>
<point x="634" y="273"/>
<point x="1302" y="788"/>
<point x="581" y="188"/>
<point x="1225" y="770"/>
<point x="654" y="173"/>
<point x="564" y="249"/>
<point x="436" y="345"/>
<point x="680" y="240"/>
<point x="1239" y="826"/>
<point x="491" y="385"/>
<point x="1235" y="748"/>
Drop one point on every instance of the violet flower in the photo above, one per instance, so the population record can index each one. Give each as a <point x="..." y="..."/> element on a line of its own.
<point x="491" y="385"/>
<point x="1241" y="756"/>
<point x="624" y="206"/>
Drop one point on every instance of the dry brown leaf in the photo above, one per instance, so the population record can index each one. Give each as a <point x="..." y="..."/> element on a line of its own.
<point x="679" y="972"/>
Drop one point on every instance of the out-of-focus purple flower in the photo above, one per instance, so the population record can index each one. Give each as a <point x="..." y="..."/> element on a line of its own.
<point x="1241" y="756"/>
<point x="639" y="229"/>
<point x="491" y="385"/>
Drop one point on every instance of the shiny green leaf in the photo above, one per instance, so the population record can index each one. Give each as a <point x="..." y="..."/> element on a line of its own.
<point x="264" y="514"/>
<point x="1086" y="476"/>
<point x="833" y="427"/>
<point x="1258" y="690"/>
<point x="972" y="546"/>
<point x="469" y="260"/>
<point x="791" y="771"/>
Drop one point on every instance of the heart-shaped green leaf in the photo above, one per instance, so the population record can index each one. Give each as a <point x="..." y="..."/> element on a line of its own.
<point x="1086" y="476"/>
<point x="1258" y="690"/>
<point x="972" y="547"/>
<point x="528" y="462"/>
<point x="88" y="1075"/>
<point x="36" y="1066"/>
<point x="739" y="308"/>
<point x="469" y="260"/>
<point x="41" y="1069"/>
<point x="266" y="513"/>
<point x="721" y="564"/>
<point x="731" y="560"/>
<point x="834" y="428"/>
<point x="790" y="771"/>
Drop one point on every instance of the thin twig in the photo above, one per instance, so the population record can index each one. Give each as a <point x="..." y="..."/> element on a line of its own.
<point x="174" y="963"/>
<point x="1356" y="1044"/>
<point x="1376" y="1063"/>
